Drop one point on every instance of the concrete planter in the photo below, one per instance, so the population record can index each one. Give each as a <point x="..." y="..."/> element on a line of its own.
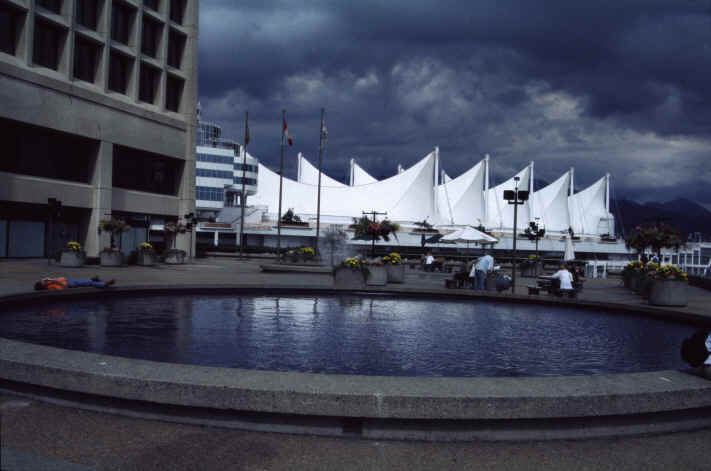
<point x="348" y="278"/>
<point x="377" y="276"/>
<point x="668" y="293"/>
<point x="175" y="257"/>
<point x="532" y="270"/>
<point x="111" y="259"/>
<point x="634" y="283"/>
<point x="72" y="259"/>
<point x="145" y="259"/>
<point x="396" y="273"/>
<point x="645" y="286"/>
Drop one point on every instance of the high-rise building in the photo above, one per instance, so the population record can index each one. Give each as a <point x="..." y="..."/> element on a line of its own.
<point x="97" y="115"/>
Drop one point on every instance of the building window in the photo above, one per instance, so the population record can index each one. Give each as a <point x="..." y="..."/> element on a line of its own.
<point x="152" y="4"/>
<point x="249" y="168"/>
<point x="51" y="5"/>
<point x="148" y="86"/>
<point x="211" y="173"/>
<point x="247" y="181"/>
<point x="173" y="93"/>
<point x="10" y="27"/>
<point x="145" y="171"/>
<point x="87" y="13"/>
<point x="120" y="68"/>
<point x="86" y="59"/>
<point x="49" y="42"/>
<point x="176" y="46"/>
<point x="177" y="11"/>
<point x="41" y="152"/>
<point x="207" y="193"/>
<point x="218" y="159"/>
<point x="150" y="38"/>
<point x="121" y="22"/>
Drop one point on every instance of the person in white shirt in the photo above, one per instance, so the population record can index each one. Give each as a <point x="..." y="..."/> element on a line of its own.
<point x="565" y="277"/>
<point x="429" y="260"/>
<point x="479" y="271"/>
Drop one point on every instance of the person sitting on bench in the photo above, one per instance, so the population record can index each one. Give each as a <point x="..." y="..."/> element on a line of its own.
<point x="62" y="283"/>
<point x="566" y="280"/>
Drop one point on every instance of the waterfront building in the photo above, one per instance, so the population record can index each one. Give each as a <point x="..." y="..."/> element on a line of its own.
<point x="97" y="118"/>
<point x="218" y="183"/>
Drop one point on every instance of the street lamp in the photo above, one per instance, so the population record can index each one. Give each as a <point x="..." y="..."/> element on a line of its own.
<point x="535" y="232"/>
<point x="515" y="197"/>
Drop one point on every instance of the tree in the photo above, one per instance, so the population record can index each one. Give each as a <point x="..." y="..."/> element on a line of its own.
<point x="657" y="237"/>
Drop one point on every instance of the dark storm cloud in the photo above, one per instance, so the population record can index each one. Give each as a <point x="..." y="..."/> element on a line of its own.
<point x="602" y="86"/>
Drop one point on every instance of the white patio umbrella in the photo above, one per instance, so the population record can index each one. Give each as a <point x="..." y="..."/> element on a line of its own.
<point x="469" y="234"/>
<point x="569" y="253"/>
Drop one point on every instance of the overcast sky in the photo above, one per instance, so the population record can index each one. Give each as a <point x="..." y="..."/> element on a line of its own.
<point x="605" y="86"/>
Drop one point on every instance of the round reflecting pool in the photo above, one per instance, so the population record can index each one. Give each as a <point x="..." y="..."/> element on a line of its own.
<point x="368" y="335"/>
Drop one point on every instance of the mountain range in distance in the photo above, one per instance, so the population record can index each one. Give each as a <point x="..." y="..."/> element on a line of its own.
<point x="685" y="215"/>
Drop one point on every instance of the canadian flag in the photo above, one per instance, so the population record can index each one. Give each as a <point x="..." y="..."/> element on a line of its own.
<point x="287" y="136"/>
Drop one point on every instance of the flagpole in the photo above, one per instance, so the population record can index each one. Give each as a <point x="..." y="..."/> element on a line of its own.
<point x="320" y="165"/>
<point x="281" y="182"/>
<point x="243" y="197"/>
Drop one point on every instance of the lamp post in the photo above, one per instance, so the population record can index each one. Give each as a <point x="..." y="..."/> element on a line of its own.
<point x="535" y="232"/>
<point x="515" y="197"/>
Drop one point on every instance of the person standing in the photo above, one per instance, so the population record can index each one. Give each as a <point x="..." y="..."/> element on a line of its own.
<point x="482" y="267"/>
<point x="565" y="278"/>
<point x="429" y="262"/>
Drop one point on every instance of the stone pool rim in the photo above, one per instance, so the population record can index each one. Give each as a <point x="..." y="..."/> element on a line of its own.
<point x="642" y="399"/>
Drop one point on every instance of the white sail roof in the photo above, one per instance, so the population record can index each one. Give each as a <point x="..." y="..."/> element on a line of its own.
<point x="587" y="207"/>
<point x="405" y="197"/>
<point x="307" y="173"/>
<point x="461" y="200"/>
<point x="550" y="204"/>
<point x="361" y="177"/>
<point x="499" y="213"/>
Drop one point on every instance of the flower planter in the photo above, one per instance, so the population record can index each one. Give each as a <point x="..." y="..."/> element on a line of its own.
<point x="396" y="273"/>
<point x="645" y="286"/>
<point x="634" y="283"/>
<point x="111" y="259"/>
<point x="71" y="259"/>
<point x="668" y="293"/>
<point x="348" y="278"/>
<point x="175" y="258"/>
<point x="145" y="259"/>
<point x="377" y="276"/>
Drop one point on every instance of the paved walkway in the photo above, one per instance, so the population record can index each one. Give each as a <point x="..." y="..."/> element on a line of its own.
<point x="35" y="435"/>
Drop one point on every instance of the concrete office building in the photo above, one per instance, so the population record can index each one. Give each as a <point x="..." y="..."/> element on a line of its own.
<point x="97" y="111"/>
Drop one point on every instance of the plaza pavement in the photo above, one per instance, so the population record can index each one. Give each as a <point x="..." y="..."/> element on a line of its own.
<point x="35" y="435"/>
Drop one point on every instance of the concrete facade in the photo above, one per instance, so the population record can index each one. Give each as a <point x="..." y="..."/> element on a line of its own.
<point x="59" y="101"/>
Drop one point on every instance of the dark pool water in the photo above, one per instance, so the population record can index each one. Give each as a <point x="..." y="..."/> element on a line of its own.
<point x="355" y="335"/>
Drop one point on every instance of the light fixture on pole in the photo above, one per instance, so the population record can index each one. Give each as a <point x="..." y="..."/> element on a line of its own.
<point x="515" y="197"/>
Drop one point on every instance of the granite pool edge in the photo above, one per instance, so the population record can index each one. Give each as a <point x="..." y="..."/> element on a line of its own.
<point x="347" y="396"/>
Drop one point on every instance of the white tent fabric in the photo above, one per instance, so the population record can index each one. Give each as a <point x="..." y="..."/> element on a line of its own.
<point x="499" y="213"/>
<point x="569" y="253"/>
<point x="550" y="204"/>
<point x="405" y="197"/>
<point x="587" y="208"/>
<point x="446" y="178"/>
<point x="361" y="177"/>
<point x="461" y="200"/>
<point x="470" y="235"/>
<point x="308" y="174"/>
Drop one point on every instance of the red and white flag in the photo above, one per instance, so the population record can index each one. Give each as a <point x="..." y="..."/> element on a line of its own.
<point x="288" y="137"/>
